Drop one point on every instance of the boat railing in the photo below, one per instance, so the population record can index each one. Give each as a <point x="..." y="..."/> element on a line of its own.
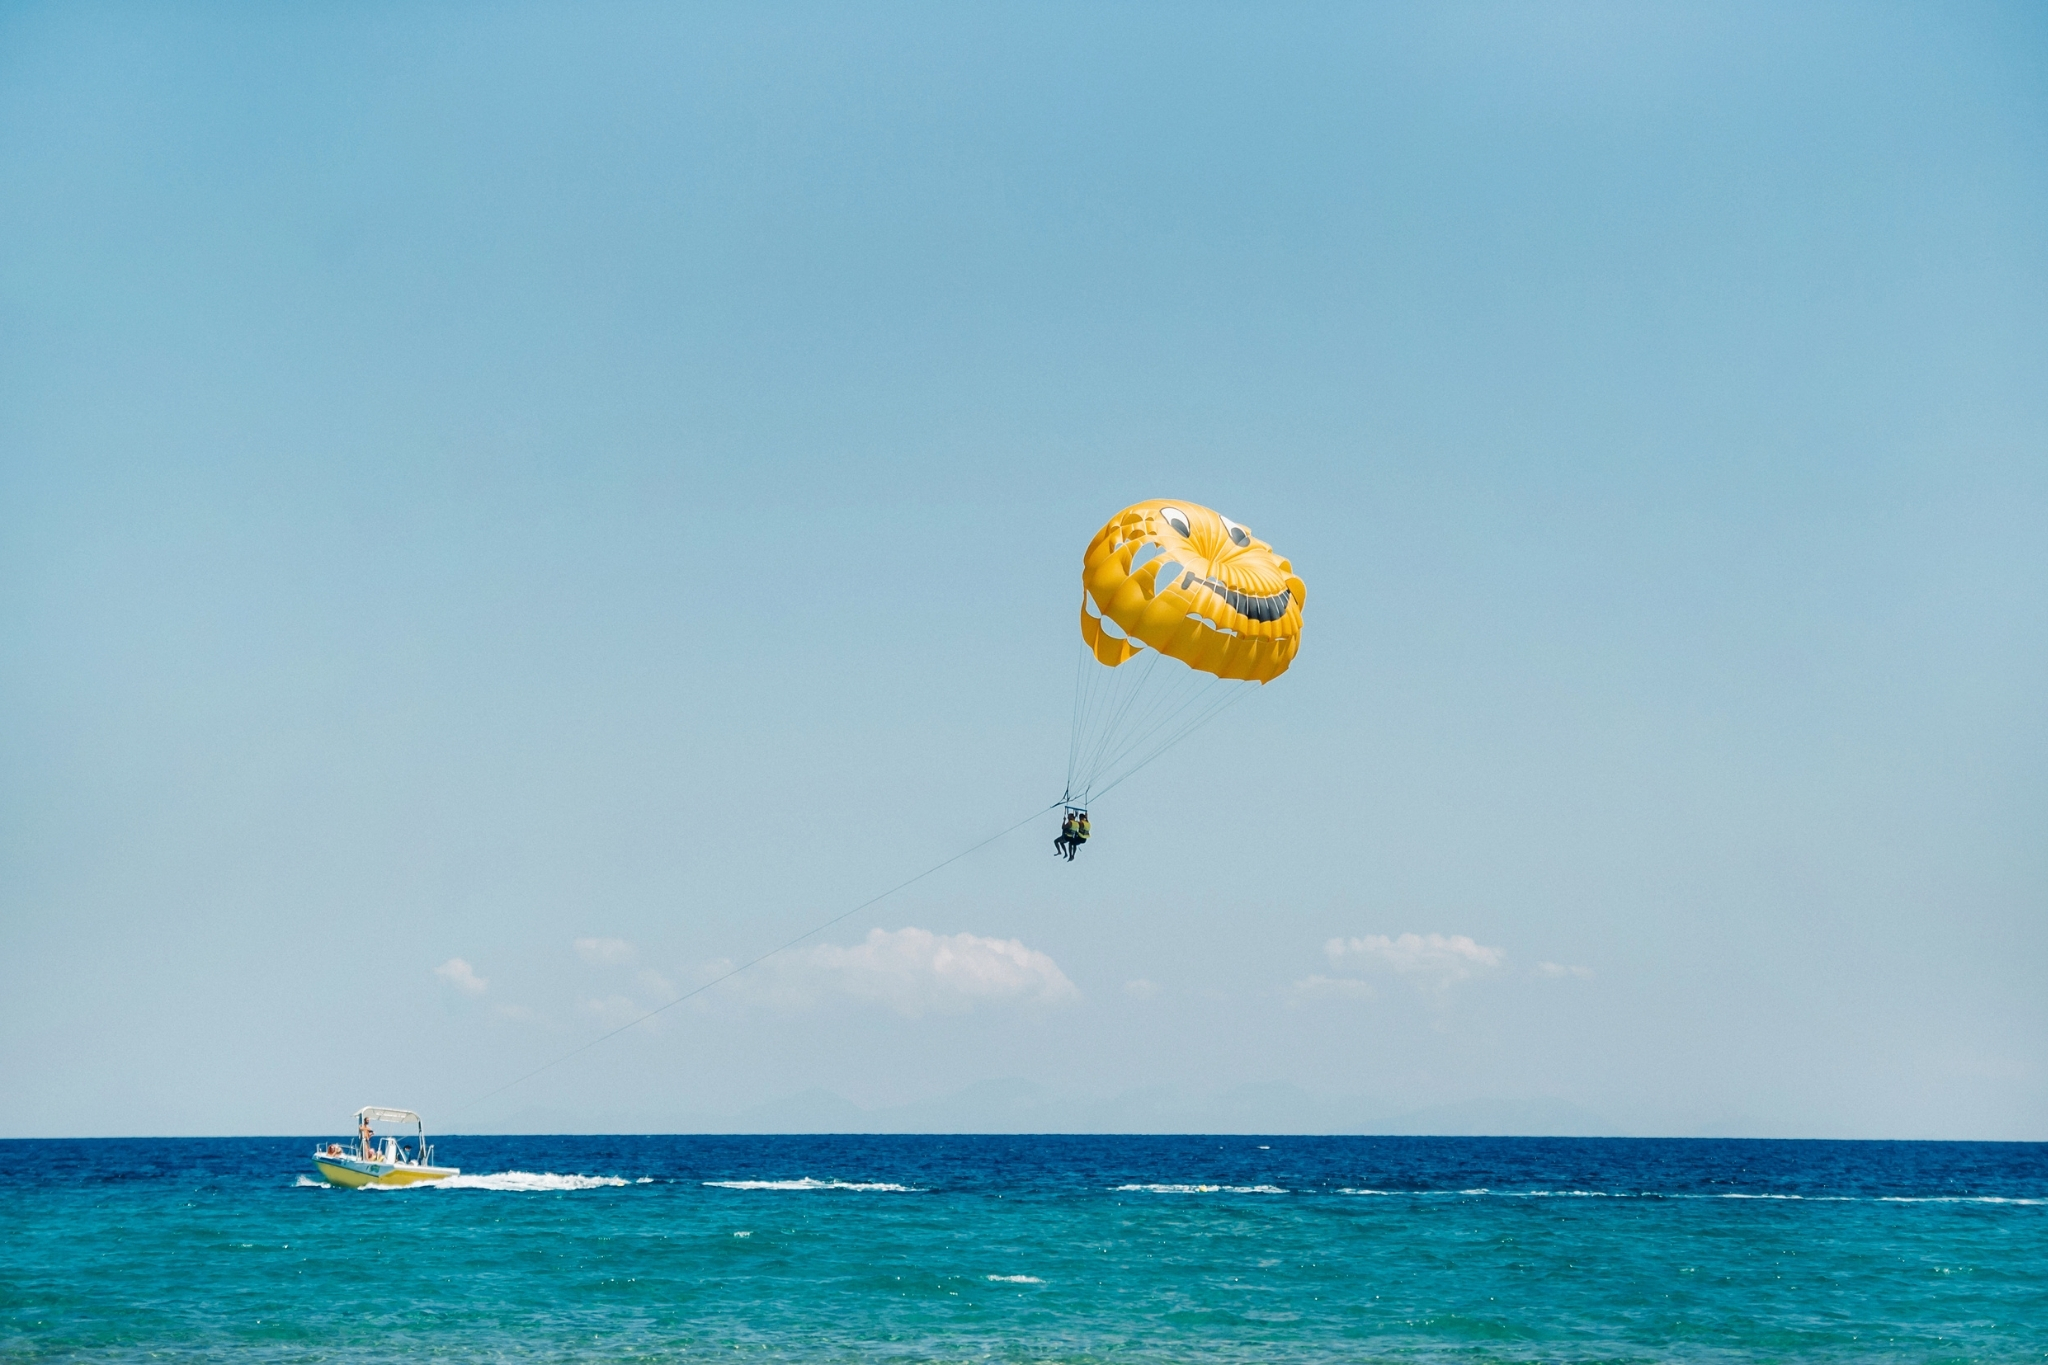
<point x="378" y="1153"/>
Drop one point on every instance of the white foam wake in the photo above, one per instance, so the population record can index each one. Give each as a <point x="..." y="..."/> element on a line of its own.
<point x="807" y="1183"/>
<point x="1017" y="1279"/>
<point x="1731" y="1194"/>
<point x="524" y="1182"/>
<point x="1199" y="1189"/>
<point x="1564" y="1194"/>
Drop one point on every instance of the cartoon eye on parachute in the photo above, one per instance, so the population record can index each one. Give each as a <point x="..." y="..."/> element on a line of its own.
<point x="1182" y="612"/>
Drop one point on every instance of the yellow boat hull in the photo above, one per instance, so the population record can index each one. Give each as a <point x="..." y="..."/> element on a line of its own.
<point x="357" y="1175"/>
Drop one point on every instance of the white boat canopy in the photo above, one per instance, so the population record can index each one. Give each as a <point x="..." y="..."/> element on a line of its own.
<point x="376" y="1115"/>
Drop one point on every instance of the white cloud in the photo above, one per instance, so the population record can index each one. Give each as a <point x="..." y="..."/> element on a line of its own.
<point x="1341" y="987"/>
<point x="1559" y="969"/>
<point x="1435" y="959"/>
<point x="1431" y="961"/>
<point x="914" y="971"/>
<point x="618" y="952"/>
<point x="605" y="952"/>
<point x="462" y="977"/>
<point x="1140" y="989"/>
<point x="614" y="1009"/>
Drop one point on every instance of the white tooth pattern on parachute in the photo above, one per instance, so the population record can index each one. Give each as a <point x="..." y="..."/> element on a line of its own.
<point x="1182" y="609"/>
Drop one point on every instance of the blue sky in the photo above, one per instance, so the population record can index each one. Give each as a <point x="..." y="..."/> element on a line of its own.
<point x="589" y="492"/>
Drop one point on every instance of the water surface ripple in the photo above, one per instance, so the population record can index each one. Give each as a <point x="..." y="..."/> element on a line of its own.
<point x="1190" y="1249"/>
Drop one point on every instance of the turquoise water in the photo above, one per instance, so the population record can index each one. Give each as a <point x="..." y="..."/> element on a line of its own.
<point x="1038" y="1249"/>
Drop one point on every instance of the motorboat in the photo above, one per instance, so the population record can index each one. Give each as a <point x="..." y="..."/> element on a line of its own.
<point x="384" y="1160"/>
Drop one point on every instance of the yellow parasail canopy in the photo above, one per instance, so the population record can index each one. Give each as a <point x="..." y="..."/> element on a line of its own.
<point x="1194" y="585"/>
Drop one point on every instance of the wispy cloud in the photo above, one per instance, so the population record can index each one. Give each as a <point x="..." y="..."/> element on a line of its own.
<point x="1433" y="962"/>
<point x="1437" y="958"/>
<point x="606" y="952"/>
<point x="618" y="954"/>
<point x="462" y="977"/>
<point x="614" y="1009"/>
<point x="1318" y="986"/>
<point x="916" y="972"/>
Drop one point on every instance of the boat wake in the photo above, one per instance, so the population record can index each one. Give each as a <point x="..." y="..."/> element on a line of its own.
<point x="528" y="1182"/>
<point x="807" y="1183"/>
<point x="1730" y="1194"/>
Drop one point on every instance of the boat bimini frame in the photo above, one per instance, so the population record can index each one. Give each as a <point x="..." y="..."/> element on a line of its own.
<point x="369" y="1116"/>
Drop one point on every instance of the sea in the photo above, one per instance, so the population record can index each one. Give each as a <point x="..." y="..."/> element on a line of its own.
<point x="1055" y="1248"/>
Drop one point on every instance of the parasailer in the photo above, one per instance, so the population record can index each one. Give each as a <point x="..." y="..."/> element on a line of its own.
<point x="1073" y="834"/>
<point x="1182" y="610"/>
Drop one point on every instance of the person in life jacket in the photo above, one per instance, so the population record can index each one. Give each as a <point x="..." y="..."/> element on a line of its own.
<point x="1080" y="834"/>
<point x="1064" y="845"/>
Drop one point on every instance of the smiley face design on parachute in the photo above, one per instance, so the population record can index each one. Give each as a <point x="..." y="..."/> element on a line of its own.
<point x="1194" y="585"/>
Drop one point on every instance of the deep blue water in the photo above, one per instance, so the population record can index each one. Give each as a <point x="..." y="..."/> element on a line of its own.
<point x="1033" y="1248"/>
